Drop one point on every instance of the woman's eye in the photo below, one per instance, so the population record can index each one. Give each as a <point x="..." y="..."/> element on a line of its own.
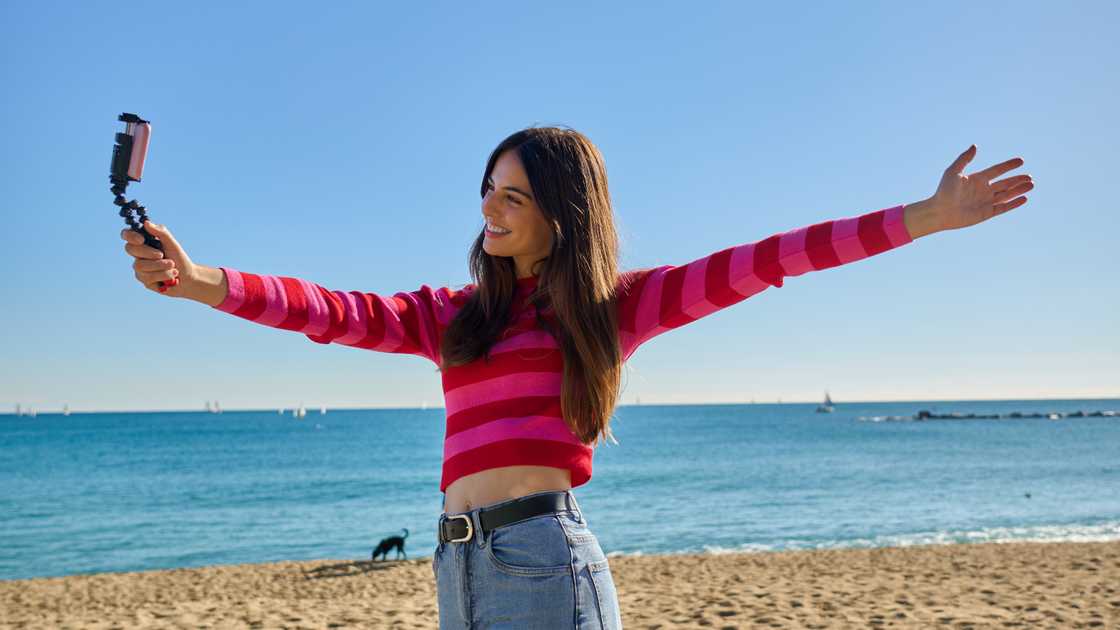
<point x="509" y="197"/>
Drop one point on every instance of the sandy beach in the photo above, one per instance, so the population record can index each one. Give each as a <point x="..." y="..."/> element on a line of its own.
<point x="1015" y="585"/>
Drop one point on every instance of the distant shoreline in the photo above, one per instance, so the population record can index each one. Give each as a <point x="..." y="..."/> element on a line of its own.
<point x="313" y="409"/>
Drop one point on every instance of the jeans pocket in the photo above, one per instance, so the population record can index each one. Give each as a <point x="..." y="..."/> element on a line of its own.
<point x="610" y="614"/>
<point x="577" y="531"/>
<point x="535" y="546"/>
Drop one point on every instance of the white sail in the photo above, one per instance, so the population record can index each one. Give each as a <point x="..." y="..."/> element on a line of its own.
<point x="826" y="406"/>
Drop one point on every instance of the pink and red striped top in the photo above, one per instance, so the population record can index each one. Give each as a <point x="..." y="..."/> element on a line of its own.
<point x="507" y="412"/>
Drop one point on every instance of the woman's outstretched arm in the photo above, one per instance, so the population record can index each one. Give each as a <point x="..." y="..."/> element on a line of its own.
<point x="654" y="301"/>
<point x="408" y="322"/>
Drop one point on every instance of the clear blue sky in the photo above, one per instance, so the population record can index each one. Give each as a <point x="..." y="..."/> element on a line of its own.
<point x="344" y="144"/>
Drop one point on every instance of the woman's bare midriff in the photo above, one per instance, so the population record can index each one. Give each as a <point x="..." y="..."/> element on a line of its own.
<point x="500" y="484"/>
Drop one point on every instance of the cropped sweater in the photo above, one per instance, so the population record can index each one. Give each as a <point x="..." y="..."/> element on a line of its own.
<point x="506" y="412"/>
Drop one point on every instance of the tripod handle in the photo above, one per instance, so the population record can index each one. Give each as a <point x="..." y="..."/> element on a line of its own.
<point x="152" y="241"/>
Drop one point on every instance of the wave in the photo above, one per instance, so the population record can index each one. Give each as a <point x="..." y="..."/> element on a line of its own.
<point x="1100" y="532"/>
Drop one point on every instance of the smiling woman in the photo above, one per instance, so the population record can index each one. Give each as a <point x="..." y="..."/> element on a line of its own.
<point x="531" y="352"/>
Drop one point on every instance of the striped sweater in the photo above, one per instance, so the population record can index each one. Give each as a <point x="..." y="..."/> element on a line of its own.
<point x="507" y="412"/>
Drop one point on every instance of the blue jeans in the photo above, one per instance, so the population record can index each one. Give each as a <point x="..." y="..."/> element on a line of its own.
<point x="545" y="572"/>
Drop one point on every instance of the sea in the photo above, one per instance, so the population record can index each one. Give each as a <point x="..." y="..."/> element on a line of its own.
<point x="114" y="492"/>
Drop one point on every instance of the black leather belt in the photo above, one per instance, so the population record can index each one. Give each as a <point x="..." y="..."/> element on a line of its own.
<point x="460" y="527"/>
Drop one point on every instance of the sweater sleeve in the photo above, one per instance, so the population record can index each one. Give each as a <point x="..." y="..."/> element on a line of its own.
<point x="653" y="301"/>
<point x="406" y="322"/>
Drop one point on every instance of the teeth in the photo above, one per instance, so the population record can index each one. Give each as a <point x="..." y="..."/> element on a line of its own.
<point x="494" y="228"/>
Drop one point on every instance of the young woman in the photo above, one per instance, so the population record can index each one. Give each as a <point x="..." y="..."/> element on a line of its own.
<point x="531" y="353"/>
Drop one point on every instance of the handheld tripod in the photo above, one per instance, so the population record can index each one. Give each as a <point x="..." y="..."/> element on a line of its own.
<point x="129" y="152"/>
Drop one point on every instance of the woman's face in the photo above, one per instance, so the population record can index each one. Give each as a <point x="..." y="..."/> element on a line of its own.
<point x="509" y="204"/>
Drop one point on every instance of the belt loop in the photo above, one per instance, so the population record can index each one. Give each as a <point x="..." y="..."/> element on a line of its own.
<point x="479" y="537"/>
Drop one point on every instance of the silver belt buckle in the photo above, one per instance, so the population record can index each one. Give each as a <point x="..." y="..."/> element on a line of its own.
<point x="470" y="527"/>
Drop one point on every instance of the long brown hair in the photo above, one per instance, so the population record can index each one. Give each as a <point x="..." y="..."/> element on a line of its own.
<point x="577" y="280"/>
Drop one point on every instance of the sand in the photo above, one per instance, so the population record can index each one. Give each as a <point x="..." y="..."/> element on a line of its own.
<point x="1017" y="585"/>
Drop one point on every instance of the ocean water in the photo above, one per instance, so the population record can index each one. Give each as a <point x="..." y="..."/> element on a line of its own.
<point x="96" y="492"/>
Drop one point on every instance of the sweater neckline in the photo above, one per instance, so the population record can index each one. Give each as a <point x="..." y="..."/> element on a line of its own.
<point x="527" y="283"/>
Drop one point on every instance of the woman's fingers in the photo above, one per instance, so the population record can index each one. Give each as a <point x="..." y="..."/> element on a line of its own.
<point x="134" y="245"/>
<point x="150" y="278"/>
<point x="1010" y="182"/>
<point x="154" y="286"/>
<point x="143" y="251"/>
<point x="996" y="170"/>
<point x="145" y="264"/>
<point x="1011" y="193"/>
<point x="150" y="266"/>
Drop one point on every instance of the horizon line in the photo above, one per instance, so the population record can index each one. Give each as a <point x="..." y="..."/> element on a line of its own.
<point x="60" y="411"/>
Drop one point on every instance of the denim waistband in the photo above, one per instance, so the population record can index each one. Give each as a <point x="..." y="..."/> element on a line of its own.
<point x="476" y="523"/>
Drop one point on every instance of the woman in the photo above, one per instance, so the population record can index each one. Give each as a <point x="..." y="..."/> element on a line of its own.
<point x="531" y="353"/>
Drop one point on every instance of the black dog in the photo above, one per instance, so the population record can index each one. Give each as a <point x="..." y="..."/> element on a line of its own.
<point x="385" y="545"/>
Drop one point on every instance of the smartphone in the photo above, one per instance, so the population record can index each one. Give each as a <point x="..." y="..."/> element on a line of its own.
<point x="131" y="149"/>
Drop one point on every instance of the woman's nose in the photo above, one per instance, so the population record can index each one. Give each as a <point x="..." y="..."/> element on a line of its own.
<point x="487" y="210"/>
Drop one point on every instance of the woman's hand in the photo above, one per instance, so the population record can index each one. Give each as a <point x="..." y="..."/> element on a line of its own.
<point x="153" y="266"/>
<point x="964" y="200"/>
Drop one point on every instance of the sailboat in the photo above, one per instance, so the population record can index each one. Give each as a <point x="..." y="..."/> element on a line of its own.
<point x="301" y="412"/>
<point x="66" y="410"/>
<point x="826" y="406"/>
<point x="323" y="410"/>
